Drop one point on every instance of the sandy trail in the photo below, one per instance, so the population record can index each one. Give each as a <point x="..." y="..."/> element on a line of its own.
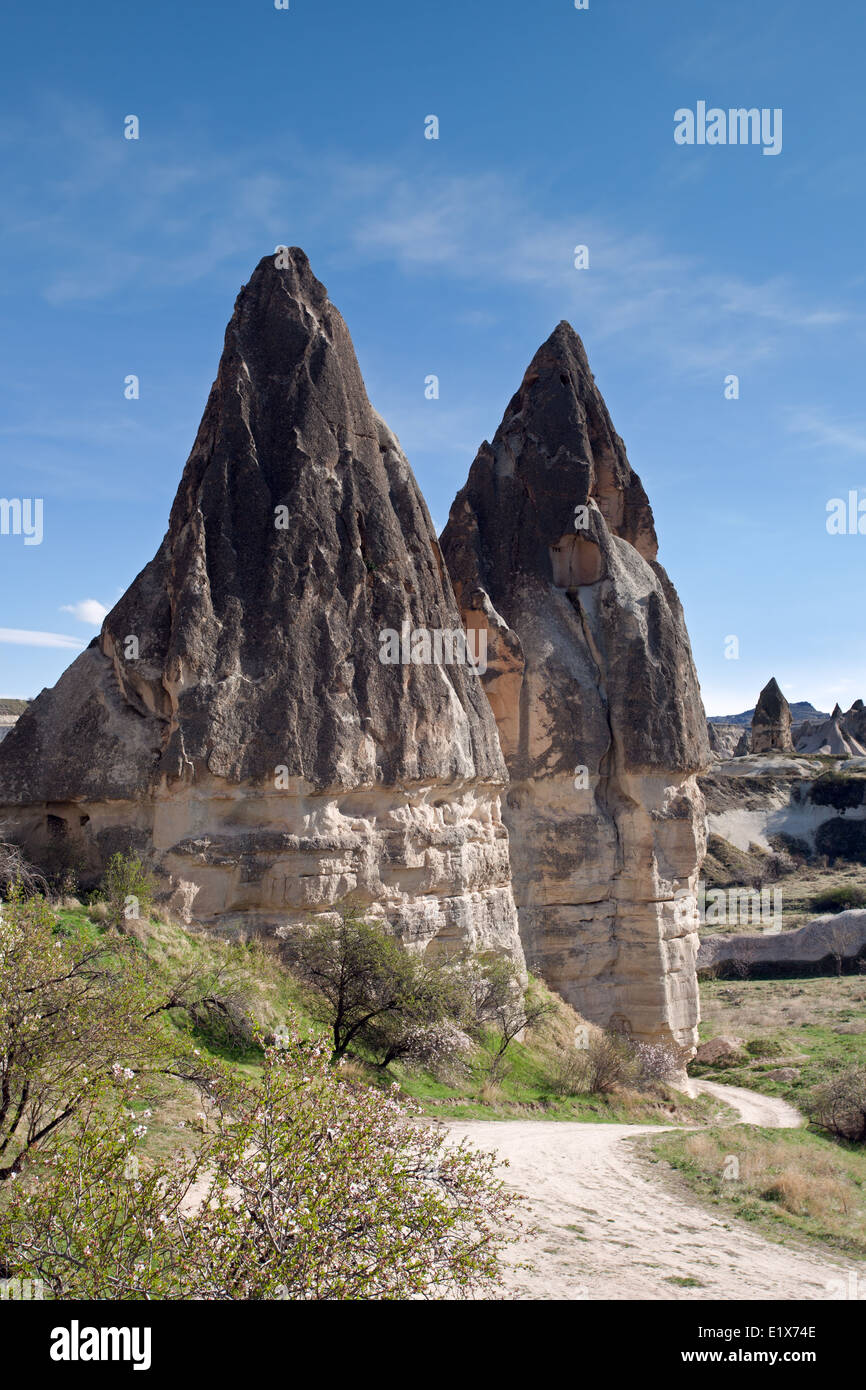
<point x="606" y="1230"/>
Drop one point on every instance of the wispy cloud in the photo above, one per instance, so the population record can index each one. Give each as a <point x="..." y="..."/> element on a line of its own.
<point x="825" y="434"/>
<point x="24" y="637"/>
<point x="484" y="227"/>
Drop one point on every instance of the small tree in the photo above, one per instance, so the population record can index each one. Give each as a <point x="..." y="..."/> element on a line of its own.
<point x="69" y="1010"/>
<point x="839" y="1104"/>
<point x="127" y="887"/>
<point x="357" y="974"/>
<point x="498" y="999"/>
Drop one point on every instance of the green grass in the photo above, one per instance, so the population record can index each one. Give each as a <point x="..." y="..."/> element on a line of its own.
<point x="791" y="1184"/>
<point x="798" y="1182"/>
<point x="800" y="1021"/>
<point x="526" y="1088"/>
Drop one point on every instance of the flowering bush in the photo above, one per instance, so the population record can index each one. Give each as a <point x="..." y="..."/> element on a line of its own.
<point x="302" y="1187"/>
<point x="68" y="1008"/>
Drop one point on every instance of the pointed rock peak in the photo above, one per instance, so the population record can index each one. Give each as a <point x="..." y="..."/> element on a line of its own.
<point x="557" y="464"/>
<point x="771" y="722"/>
<point x="562" y="351"/>
<point x="837" y="711"/>
<point x="297" y="535"/>
<point x="771" y="701"/>
<point x="551" y="549"/>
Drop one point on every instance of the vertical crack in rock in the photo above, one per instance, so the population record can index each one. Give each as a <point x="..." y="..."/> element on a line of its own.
<point x="551" y="547"/>
<point x="234" y="720"/>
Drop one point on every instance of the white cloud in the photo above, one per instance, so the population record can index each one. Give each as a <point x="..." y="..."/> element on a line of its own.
<point x="86" y="610"/>
<point x="24" y="637"/>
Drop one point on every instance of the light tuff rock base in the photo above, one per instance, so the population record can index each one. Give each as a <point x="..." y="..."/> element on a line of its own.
<point x="431" y="862"/>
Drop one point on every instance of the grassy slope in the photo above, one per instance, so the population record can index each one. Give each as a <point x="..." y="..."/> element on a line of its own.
<point x="527" y="1089"/>
<point x="801" y="890"/>
<point x="791" y="1182"/>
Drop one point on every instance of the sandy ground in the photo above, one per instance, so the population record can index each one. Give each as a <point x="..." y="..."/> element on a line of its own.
<point x="608" y="1230"/>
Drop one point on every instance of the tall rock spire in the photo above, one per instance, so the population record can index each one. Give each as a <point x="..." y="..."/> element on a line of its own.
<point x="771" y="722"/>
<point x="552" y="550"/>
<point x="235" y="719"/>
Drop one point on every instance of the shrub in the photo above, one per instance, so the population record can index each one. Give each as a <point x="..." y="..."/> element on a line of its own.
<point x="127" y="888"/>
<point x="567" y="1072"/>
<point x="17" y="876"/>
<point x="838" y="1104"/>
<point x="657" y="1061"/>
<point x="608" y="1062"/>
<point x="67" y="1012"/>
<point x="314" y="1189"/>
<point x="838" y="899"/>
<point x="764" y="1047"/>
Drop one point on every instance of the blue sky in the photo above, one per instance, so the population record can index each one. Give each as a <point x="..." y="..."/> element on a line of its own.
<point x="451" y="256"/>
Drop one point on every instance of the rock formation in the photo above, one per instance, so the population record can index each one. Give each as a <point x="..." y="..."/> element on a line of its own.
<point x="234" y="719"/>
<point x="10" y="713"/>
<point x="823" y="946"/>
<point x="743" y="747"/>
<point x="724" y="740"/>
<point x="552" y="550"/>
<point x="771" y="722"/>
<point x="832" y="736"/>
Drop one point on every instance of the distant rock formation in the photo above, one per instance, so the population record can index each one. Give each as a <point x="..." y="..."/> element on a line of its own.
<point x="771" y="722"/>
<point x="744" y="746"/>
<point x="834" y="736"/>
<point x="724" y="739"/>
<point x="826" y="944"/>
<point x="10" y="712"/>
<point x="235" y="719"/>
<point x="800" y="710"/>
<point x="552" y="550"/>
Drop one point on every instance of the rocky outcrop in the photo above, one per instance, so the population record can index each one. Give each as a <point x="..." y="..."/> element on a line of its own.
<point x="830" y="943"/>
<point x="238" y="718"/>
<point x="724" y="740"/>
<point x="771" y="722"/>
<point x="10" y="713"/>
<point x="552" y="550"/>
<point x="834" y="736"/>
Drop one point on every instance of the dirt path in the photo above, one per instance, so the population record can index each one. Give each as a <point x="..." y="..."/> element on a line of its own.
<point x="607" y="1231"/>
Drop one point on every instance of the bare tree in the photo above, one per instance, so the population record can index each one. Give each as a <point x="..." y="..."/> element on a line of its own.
<point x="16" y="874"/>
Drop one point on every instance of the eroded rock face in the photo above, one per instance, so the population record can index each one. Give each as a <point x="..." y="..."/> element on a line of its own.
<point x="771" y="722"/>
<point x="825" y="945"/>
<point x="234" y="719"/>
<point x="834" y="736"/>
<point x="724" y="740"/>
<point x="552" y="550"/>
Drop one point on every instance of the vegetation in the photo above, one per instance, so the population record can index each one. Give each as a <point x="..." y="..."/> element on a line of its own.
<point x="804" y="1040"/>
<point x="789" y="1183"/>
<point x="127" y="888"/>
<point x="840" y="897"/>
<point x="301" y="1187"/>
<point x="809" y="884"/>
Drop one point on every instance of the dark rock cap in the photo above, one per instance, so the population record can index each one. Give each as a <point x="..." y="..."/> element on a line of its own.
<point x="553" y="501"/>
<point x="258" y="640"/>
<point x="772" y="707"/>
